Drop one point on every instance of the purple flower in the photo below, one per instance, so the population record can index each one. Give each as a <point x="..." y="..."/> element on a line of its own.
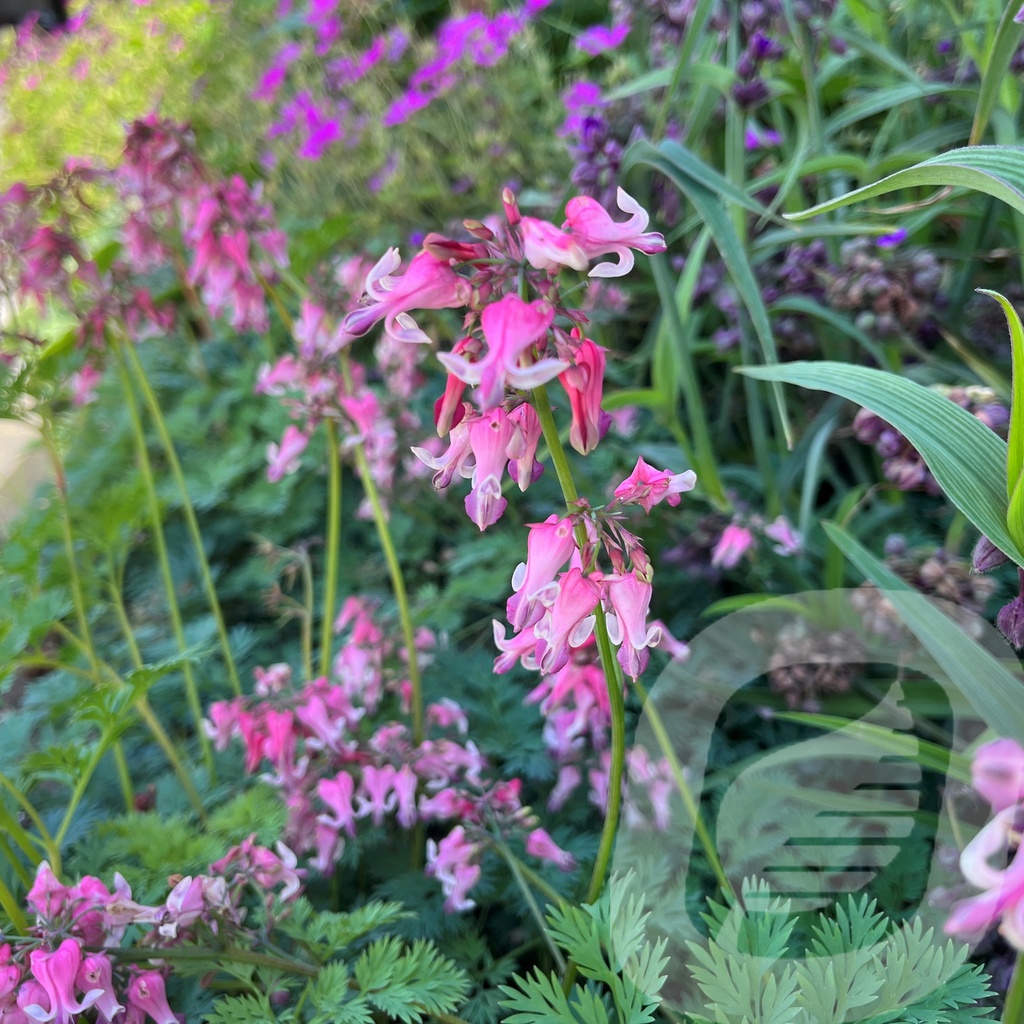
<point x="599" y="38"/>
<point x="891" y="240"/>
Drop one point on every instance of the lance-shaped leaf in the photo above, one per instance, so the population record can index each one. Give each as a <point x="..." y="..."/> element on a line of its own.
<point x="967" y="459"/>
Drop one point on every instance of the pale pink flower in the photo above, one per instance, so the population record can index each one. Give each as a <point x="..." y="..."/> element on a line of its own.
<point x="787" y="540"/>
<point x="597" y="234"/>
<point x="997" y="773"/>
<point x="540" y="844"/>
<point x="511" y="328"/>
<point x="648" y="487"/>
<point x="428" y="283"/>
<point x="450" y="862"/>
<point x="1004" y="889"/>
<point x="584" y="382"/>
<point x="569" y="619"/>
<point x="447" y="714"/>
<point x="84" y="383"/>
<point x="457" y="459"/>
<point x="521" y="647"/>
<point x="337" y="794"/>
<point x="547" y="248"/>
<point x="405" y="783"/>
<point x="549" y="546"/>
<point x="631" y="601"/>
<point x="734" y="543"/>
<point x="284" y="458"/>
<point x="569" y="778"/>
<point x="489" y="438"/>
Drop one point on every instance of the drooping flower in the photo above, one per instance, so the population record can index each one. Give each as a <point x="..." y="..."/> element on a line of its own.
<point x="569" y="618"/>
<point x="584" y="383"/>
<point x="451" y="863"/>
<point x="734" y="543"/>
<point x="283" y="458"/>
<point x="147" y="992"/>
<point x="630" y="598"/>
<point x="57" y="973"/>
<point x="511" y="327"/>
<point x="489" y="438"/>
<point x="549" y="248"/>
<point x="648" y="487"/>
<point x="598" y="235"/>
<point x="540" y="844"/>
<point x="548" y="547"/>
<point x="997" y="773"/>
<point x="787" y="540"/>
<point x="428" y="283"/>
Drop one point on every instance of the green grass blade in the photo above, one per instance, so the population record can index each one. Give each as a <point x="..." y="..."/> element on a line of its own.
<point x="1015" y="444"/>
<point x="995" y="170"/>
<point x="1007" y="39"/>
<point x="966" y="458"/>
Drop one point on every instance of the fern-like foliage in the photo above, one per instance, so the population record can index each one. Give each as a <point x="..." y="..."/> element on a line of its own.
<point x="857" y="965"/>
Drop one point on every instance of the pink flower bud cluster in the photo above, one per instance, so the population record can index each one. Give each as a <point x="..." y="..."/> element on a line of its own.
<point x="67" y="964"/>
<point x="992" y="860"/>
<point x="334" y="773"/>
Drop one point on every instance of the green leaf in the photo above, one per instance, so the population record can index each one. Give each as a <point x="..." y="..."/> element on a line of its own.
<point x="995" y="170"/>
<point x="1004" y="46"/>
<point x="996" y="693"/>
<point x="705" y="189"/>
<point x="966" y="458"/>
<point x="1015" y="445"/>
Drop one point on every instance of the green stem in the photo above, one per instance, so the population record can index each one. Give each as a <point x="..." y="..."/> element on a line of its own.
<point x="146" y="713"/>
<point x="124" y="776"/>
<point x="160" y="542"/>
<point x="606" y="651"/>
<point x="51" y="849"/>
<point x="80" y="787"/>
<point x="16" y="866"/>
<point x="333" y="551"/>
<point x="689" y="801"/>
<point x="308" y="600"/>
<point x="190" y="513"/>
<point x="214" y="956"/>
<point x="387" y="544"/>
<point x="12" y="909"/>
<point x="1013" y="1008"/>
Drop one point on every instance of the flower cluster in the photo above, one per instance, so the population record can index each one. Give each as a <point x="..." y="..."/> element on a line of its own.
<point x="333" y="774"/>
<point x="72" y="960"/>
<point x="997" y="773"/>
<point x="901" y="462"/>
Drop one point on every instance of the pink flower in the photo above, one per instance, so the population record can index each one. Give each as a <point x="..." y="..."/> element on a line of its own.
<point x="584" y="383"/>
<point x="284" y="458"/>
<point x="548" y="547"/>
<point x="377" y="796"/>
<point x="489" y="437"/>
<point x="83" y="385"/>
<point x="597" y="234"/>
<point x="457" y="459"/>
<point x="146" y="992"/>
<point x="569" y="779"/>
<point x="569" y="619"/>
<point x="547" y="248"/>
<point x="56" y="972"/>
<point x="450" y="862"/>
<point x="337" y="794"/>
<point x="47" y="897"/>
<point x="997" y="773"/>
<point x="734" y="543"/>
<point x="405" y="783"/>
<point x="1004" y="889"/>
<point x="523" y="466"/>
<point x="788" y="541"/>
<point x="428" y="283"/>
<point x="522" y="647"/>
<point x="511" y="328"/>
<point x="449" y="408"/>
<point x="95" y="973"/>
<point x="540" y="844"/>
<point x="631" y="600"/>
<point x="648" y="487"/>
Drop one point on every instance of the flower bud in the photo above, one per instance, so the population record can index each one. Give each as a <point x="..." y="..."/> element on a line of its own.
<point x="986" y="556"/>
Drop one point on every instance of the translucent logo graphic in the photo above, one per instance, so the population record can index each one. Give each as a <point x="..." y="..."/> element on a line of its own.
<point x="836" y="839"/>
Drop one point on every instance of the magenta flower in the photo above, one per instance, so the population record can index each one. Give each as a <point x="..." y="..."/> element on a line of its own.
<point x="599" y="38"/>
<point x="547" y="248"/>
<point x="997" y="773"/>
<point x="540" y="844"/>
<point x="377" y="796"/>
<point x="734" y="543"/>
<point x="787" y="540"/>
<point x="428" y="283"/>
<point x="597" y="234"/>
<point x="523" y="466"/>
<point x="511" y="328"/>
<point x="405" y="783"/>
<point x="584" y="383"/>
<point x="489" y="437"/>
<point x="449" y="408"/>
<point x="630" y="598"/>
<point x="337" y="794"/>
<point x="521" y="647"/>
<point x="48" y="896"/>
<point x="146" y="992"/>
<point x="57" y="972"/>
<point x="548" y="547"/>
<point x="95" y="973"/>
<point x="648" y="487"/>
<point x="283" y="459"/>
